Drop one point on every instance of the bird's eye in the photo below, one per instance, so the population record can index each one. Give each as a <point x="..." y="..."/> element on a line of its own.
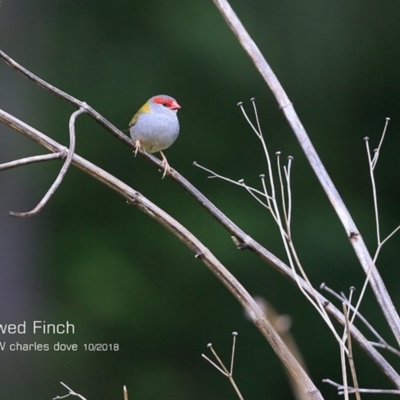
<point x="165" y="104"/>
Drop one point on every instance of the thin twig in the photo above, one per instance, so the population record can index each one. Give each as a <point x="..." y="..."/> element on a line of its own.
<point x="344" y="373"/>
<point x="214" y="364"/>
<point x="382" y="342"/>
<point x="252" y="191"/>
<point x="268" y="197"/>
<point x="287" y="170"/>
<point x="350" y="353"/>
<point x="125" y="390"/>
<point x="394" y="231"/>
<point x="222" y="368"/>
<point x="264" y="147"/>
<point x="372" y="161"/>
<point x="31" y="160"/>
<point x="282" y="186"/>
<point x="70" y="393"/>
<point x="353" y="390"/>
<point x="386" y="347"/>
<point x="234" y="335"/>
<point x="378" y="149"/>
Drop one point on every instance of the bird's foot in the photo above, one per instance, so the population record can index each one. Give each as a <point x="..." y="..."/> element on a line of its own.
<point x="165" y="165"/>
<point x="137" y="147"/>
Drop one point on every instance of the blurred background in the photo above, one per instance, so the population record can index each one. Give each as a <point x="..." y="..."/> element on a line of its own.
<point x="120" y="278"/>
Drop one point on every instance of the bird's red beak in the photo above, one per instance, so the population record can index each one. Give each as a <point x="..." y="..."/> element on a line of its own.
<point x="175" y="106"/>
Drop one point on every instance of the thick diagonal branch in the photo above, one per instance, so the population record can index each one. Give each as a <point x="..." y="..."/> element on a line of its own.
<point x="231" y="283"/>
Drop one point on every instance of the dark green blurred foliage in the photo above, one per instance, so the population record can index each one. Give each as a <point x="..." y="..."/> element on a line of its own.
<point x="121" y="278"/>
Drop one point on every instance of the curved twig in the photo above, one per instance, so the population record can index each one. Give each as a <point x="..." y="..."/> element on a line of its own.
<point x="63" y="171"/>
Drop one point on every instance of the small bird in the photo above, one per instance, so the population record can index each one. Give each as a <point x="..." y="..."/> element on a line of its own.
<point x="155" y="126"/>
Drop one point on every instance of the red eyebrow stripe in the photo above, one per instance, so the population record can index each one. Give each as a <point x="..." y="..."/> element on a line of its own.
<point x="170" y="103"/>
<point x="161" y="100"/>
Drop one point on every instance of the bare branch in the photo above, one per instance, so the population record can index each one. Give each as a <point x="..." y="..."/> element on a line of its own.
<point x="234" y="336"/>
<point x="31" y="160"/>
<point x="372" y="162"/>
<point x="70" y="393"/>
<point x="286" y="106"/>
<point x="382" y="342"/>
<point x="282" y="221"/>
<point x="350" y="355"/>
<point x="222" y="368"/>
<point x="378" y="149"/>
<point x="353" y="390"/>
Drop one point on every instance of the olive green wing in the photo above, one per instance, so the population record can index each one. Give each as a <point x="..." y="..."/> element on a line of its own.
<point x="142" y="110"/>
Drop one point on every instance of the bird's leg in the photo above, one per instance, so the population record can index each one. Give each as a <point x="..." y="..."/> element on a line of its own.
<point x="137" y="146"/>
<point x="165" y="164"/>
